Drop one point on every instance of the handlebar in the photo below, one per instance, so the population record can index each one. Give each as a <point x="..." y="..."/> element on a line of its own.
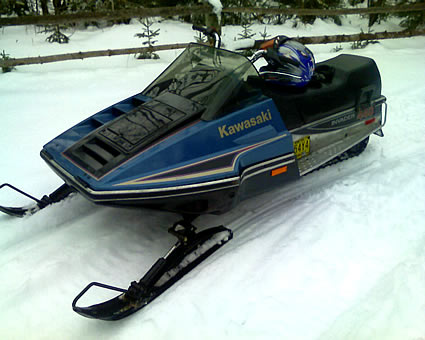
<point x="266" y="50"/>
<point x="209" y="32"/>
<point x="200" y="29"/>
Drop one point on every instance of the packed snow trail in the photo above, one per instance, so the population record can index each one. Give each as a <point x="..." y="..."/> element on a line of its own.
<point x="336" y="255"/>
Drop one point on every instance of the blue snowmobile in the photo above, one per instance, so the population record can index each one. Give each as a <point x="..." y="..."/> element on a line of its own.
<point x="210" y="131"/>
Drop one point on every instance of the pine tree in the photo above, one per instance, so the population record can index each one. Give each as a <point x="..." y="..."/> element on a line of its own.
<point x="412" y="20"/>
<point x="246" y="31"/>
<point x="5" y="56"/>
<point x="264" y="34"/>
<point x="56" y="36"/>
<point x="149" y="34"/>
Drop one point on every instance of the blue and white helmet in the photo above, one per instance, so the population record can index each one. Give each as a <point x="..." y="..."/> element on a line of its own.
<point x="289" y="63"/>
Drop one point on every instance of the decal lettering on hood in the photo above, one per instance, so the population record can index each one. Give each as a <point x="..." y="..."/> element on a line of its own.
<point x="246" y="124"/>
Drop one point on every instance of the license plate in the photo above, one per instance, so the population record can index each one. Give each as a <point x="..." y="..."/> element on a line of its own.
<point x="302" y="147"/>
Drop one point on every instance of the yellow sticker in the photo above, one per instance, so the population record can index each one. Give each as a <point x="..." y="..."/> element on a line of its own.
<point x="302" y="147"/>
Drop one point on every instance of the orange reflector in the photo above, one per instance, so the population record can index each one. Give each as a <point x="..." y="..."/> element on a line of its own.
<point x="267" y="44"/>
<point x="369" y="121"/>
<point x="280" y="170"/>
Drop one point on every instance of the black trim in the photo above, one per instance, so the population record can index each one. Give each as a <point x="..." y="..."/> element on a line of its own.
<point x="259" y="180"/>
<point x="266" y="165"/>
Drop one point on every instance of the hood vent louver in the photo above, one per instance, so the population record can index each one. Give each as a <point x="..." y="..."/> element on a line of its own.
<point x="96" y="156"/>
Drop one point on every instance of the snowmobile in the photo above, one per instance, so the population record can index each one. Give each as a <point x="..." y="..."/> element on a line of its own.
<point x="209" y="132"/>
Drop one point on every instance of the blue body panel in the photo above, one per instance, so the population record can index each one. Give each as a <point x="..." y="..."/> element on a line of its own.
<point x="199" y="152"/>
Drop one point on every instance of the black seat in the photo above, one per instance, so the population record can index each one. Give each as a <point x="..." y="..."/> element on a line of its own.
<point x="339" y="83"/>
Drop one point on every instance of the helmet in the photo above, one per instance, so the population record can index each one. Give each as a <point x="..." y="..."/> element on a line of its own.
<point x="288" y="63"/>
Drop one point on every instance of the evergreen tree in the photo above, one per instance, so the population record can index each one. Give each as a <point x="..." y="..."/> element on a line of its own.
<point x="149" y="34"/>
<point x="412" y="20"/>
<point x="312" y="4"/>
<point x="246" y="31"/>
<point x="5" y="56"/>
<point x="11" y="7"/>
<point x="264" y="35"/>
<point x="56" y="36"/>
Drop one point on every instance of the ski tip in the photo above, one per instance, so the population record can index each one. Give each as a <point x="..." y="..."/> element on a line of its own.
<point x="56" y="196"/>
<point x="103" y="311"/>
<point x="15" y="212"/>
<point x="110" y="310"/>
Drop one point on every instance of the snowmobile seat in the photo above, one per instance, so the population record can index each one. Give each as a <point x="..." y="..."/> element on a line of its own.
<point x="340" y="83"/>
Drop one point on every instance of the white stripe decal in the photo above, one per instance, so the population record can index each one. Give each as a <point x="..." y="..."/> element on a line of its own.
<point x="148" y="179"/>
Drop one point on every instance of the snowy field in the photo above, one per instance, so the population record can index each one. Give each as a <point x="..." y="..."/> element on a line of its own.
<point x="338" y="255"/>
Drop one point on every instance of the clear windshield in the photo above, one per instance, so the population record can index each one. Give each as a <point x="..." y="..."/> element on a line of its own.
<point x="206" y="75"/>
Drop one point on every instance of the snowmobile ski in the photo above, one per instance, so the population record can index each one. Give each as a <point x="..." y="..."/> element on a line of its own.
<point x="58" y="195"/>
<point x="191" y="249"/>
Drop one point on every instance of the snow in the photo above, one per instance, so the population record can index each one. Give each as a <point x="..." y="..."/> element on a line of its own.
<point x="338" y="255"/>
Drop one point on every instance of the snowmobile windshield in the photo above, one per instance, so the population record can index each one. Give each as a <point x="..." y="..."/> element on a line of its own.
<point x="205" y="75"/>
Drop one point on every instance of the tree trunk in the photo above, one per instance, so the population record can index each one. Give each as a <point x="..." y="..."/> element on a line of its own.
<point x="20" y="7"/>
<point x="60" y="6"/>
<point x="44" y="8"/>
<point x="375" y="16"/>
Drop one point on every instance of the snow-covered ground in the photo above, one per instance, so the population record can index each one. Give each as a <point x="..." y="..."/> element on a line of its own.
<point x="338" y="255"/>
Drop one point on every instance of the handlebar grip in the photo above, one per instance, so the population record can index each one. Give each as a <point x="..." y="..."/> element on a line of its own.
<point x="209" y="32"/>
<point x="199" y="28"/>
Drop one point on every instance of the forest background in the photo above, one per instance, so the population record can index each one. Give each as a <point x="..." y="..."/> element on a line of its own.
<point x="21" y="8"/>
